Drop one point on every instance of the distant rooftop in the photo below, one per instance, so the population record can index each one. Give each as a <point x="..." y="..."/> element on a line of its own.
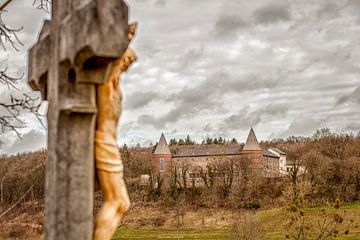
<point x="278" y="150"/>
<point x="206" y="150"/>
<point x="251" y="144"/>
<point x="269" y="154"/>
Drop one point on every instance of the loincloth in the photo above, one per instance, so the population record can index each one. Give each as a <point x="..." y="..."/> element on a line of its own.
<point x="107" y="155"/>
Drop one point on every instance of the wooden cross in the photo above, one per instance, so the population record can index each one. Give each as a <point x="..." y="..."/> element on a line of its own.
<point x="73" y="54"/>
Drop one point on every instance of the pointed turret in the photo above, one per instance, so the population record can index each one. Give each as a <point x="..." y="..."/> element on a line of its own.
<point x="253" y="154"/>
<point x="252" y="143"/>
<point x="162" y="147"/>
<point x="162" y="161"/>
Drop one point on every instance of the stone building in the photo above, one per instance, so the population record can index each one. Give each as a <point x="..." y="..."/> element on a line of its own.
<point x="282" y="160"/>
<point x="265" y="162"/>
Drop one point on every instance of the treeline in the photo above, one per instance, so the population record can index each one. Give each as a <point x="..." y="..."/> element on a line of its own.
<point x="21" y="173"/>
<point x="207" y="141"/>
<point x="324" y="167"/>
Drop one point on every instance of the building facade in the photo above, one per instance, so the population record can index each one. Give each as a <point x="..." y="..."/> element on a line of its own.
<point x="264" y="162"/>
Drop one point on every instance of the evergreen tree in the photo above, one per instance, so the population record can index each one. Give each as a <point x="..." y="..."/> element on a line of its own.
<point x="209" y="140"/>
<point x="188" y="140"/>
<point x="125" y="153"/>
<point x="173" y="142"/>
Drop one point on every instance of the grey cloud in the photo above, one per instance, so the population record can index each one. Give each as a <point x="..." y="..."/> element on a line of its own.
<point x="273" y="110"/>
<point x="354" y="8"/>
<point x="189" y="57"/>
<point x="176" y="48"/>
<point x="223" y="82"/>
<point x="228" y="26"/>
<point x="140" y="99"/>
<point x="242" y="120"/>
<point x="246" y="118"/>
<point x="329" y="10"/>
<point x="302" y="126"/>
<point x="148" y="49"/>
<point x="354" y="97"/>
<point x="150" y="120"/>
<point x="124" y="129"/>
<point x="160" y="3"/>
<point x="31" y="141"/>
<point x="354" y="3"/>
<point x="353" y="127"/>
<point x="272" y="13"/>
<point x="208" y="128"/>
<point x="208" y="95"/>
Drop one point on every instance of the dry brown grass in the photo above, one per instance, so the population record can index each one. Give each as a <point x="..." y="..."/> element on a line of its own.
<point x="24" y="222"/>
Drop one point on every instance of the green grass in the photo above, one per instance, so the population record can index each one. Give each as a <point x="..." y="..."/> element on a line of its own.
<point x="275" y="220"/>
<point x="273" y="223"/>
<point x="127" y="232"/>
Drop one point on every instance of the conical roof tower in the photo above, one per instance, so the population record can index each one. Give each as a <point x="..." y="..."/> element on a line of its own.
<point x="162" y="147"/>
<point x="252" y="143"/>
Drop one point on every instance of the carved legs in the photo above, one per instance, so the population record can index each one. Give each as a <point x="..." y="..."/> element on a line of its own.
<point x="110" y="173"/>
<point x="116" y="203"/>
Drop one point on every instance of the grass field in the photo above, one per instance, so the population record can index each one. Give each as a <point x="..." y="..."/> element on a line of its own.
<point x="132" y="233"/>
<point x="273" y="224"/>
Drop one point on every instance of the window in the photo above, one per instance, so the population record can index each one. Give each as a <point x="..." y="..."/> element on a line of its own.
<point x="162" y="164"/>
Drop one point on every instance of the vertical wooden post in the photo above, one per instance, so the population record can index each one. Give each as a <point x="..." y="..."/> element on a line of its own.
<point x="69" y="59"/>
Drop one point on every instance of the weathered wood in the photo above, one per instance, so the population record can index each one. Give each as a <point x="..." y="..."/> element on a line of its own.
<point x="71" y="56"/>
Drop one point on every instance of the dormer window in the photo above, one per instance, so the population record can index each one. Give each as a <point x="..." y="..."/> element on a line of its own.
<point x="162" y="164"/>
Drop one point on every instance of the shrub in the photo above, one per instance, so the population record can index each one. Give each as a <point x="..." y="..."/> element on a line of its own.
<point x="248" y="229"/>
<point x="253" y="205"/>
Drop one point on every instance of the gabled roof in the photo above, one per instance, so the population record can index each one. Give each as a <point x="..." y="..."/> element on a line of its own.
<point x="162" y="147"/>
<point x="251" y="142"/>
<point x="206" y="150"/>
<point x="278" y="151"/>
<point x="269" y="154"/>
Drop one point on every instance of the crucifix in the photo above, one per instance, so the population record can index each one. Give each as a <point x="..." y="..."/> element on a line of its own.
<point x="83" y="46"/>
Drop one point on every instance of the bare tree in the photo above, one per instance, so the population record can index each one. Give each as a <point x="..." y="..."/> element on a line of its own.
<point x="182" y="173"/>
<point x="44" y="5"/>
<point x="10" y="109"/>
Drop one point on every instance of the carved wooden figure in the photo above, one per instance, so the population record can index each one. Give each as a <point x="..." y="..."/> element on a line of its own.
<point x="73" y="54"/>
<point x="109" y="166"/>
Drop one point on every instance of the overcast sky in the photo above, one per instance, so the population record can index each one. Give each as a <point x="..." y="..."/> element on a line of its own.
<point x="216" y="68"/>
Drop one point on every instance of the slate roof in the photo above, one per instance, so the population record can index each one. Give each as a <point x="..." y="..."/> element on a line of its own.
<point x="252" y="142"/>
<point x="162" y="147"/>
<point x="213" y="149"/>
<point x="278" y="150"/>
<point x="206" y="150"/>
<point x="269" y="154"/>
